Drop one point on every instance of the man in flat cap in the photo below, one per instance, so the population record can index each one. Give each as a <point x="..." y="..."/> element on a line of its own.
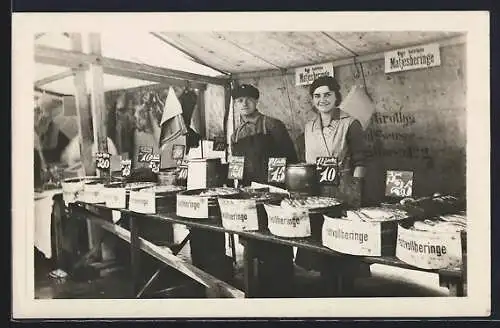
<point x="257" y="138"/>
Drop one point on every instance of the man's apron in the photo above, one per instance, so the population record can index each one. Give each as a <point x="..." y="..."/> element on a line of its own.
<point x="275" y="261"/>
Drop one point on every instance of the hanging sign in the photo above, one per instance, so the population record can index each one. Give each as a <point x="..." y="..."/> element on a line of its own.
<point x="412" y="58"/>
<point x="154" y="163"/>
<point x="276" y="169"/>
<point x="178" y="152"/>
<point x="307" y="74"/>
<point x="103" y="161"/>
<point x="126" y="167"/>
<point x="429" y="250"/>
<point x="236" y="166"/>
<point x="145" y="154"/>
<point x="399" y="184"/>
<point x="352" y="237"/>
<point x="328" y="171"/>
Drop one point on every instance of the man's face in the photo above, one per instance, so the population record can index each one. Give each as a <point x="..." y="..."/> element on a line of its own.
<point x="324" y="99"/>
<point x="245" y="105"/>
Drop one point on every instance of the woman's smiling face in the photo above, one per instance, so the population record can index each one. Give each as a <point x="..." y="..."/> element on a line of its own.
<point x="324" y="99"/>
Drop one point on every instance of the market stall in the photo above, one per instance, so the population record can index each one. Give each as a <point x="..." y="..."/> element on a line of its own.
<point x="171" y="160"/>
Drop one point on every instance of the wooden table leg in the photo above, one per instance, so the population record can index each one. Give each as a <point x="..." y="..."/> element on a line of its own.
<point x="250" y="267"/>
<point x="57" y="217"/>
<point x="135" y="254"/>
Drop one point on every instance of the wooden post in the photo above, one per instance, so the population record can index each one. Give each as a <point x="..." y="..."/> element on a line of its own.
<point x="201" y="112"/>
<point x="97" y="93"/>
<point x="85" y="132"/>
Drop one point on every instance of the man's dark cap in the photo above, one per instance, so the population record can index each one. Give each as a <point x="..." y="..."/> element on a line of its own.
<point x="245" y="90"/>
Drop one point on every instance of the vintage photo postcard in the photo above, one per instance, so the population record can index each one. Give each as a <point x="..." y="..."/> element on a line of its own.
<point x="251" y="165"/>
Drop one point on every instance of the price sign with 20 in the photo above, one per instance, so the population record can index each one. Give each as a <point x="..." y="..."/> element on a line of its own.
<point x="327" y="170"/>
<point x="103" y="161"/>
<point x="276" y="169"/>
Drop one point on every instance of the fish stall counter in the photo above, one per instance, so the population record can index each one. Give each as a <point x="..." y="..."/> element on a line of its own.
<point x="426" y="234"/>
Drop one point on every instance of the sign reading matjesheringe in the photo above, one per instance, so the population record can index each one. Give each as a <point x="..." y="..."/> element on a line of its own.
<point x="429" y="250"/>
<point x="307" y="74"/>
<point x="412" y="58"/>
<point x="352" y="237"/>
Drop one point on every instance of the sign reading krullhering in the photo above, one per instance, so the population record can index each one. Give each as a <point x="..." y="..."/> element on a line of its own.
<point x="307" y="74"/>
<point x="412" y="58"/>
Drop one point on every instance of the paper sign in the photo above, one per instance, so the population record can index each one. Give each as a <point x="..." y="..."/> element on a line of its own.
<point x="327" y="170"/>
<point x="103" y="161"/>
<point x="115" y="197"/>
<point x="287" y="222"/>
<point x="412" y="58"/>
<point x="192" y="206"/>
<point x="219" y="145"/>
<point x="236" y="166"/>
<point x="92" y="193"/>
<point x="197" y="175"/>
<point x="352" y="237"/>
<point x="145" y="154"/>
<point x="154" y="163"/>
<point x="306" y="75"/>
<point x="126" y="167"/>
<point x="399" y="184"/>
<point x="142" y="202"/>
<point x="178" y="152"/>
<point x="239" y="214"/>
<point x="276" y="169"/>
<point x="429" y="250"/>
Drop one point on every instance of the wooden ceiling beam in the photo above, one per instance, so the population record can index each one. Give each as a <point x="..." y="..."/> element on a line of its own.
<point x="79" y="60"/>
<point x="53" y="78"/>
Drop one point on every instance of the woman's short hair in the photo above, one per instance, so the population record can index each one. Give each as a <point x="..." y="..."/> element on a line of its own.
<point x="331" y="83"/>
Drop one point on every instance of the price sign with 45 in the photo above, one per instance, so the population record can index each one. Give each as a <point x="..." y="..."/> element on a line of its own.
<point x="276" y="169"/>
<point x="103" y="161"/>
